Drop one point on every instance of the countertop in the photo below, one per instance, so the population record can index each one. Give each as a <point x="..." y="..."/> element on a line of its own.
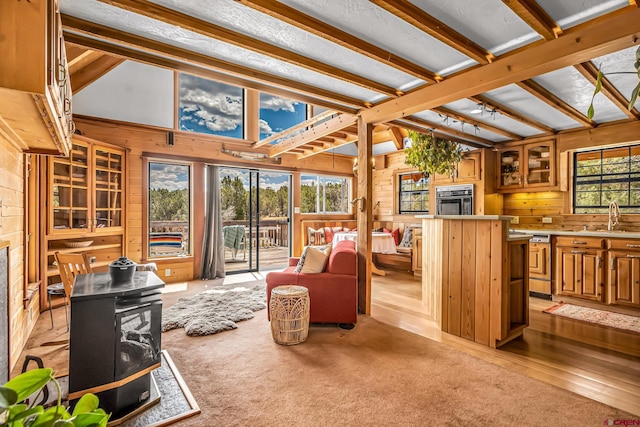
<point x="589" y="233"/>
<point x="473" y="217"/>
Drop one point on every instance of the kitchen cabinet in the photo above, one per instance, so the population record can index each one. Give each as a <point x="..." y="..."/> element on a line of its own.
<point x="468" y="170"/>
<point x="540" y="268"/>
<point x="85" y="201"/>
<point x="529" y="166"/>
<point x="580" y="270"/>
<point x="35" y="89"/>
<point x="416" y="253"/>
<point x="624" y="272"/>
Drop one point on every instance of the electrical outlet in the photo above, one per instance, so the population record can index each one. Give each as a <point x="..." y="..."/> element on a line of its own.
<point x="547" y="220"/>
<point x="167" y="272"/>
<point x="515" y="220"/>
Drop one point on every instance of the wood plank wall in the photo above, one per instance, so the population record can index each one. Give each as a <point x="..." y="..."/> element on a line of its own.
<point x="201" y="149"/>
<point x="21" y="319"/>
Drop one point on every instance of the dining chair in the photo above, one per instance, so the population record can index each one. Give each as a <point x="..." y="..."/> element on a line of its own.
<point x="69" y="266"/>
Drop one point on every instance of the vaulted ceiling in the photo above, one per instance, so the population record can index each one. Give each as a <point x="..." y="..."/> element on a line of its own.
<point x="481" y="72"/>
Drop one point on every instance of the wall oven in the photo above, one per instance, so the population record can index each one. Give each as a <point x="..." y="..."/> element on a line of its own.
<point x="454" y="200"/>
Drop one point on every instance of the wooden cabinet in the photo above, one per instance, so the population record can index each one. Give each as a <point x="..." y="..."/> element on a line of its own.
<point x="469" y="169"/>
<point x="540" y="268"/>
<point x="84" y="205"/>
<point x="528" y="166"/>
<point x="35" y="89"/>
<point x="580" y="270"/>
<point x="624" y="272"/>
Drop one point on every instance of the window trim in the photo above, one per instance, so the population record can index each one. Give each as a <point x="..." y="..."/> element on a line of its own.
<point x="145" y="253"/>
<point x="398" y="193"/>
<point x="574" y="176"/>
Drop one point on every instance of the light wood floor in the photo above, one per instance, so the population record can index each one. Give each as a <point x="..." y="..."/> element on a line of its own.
<point x="596" y="362"/>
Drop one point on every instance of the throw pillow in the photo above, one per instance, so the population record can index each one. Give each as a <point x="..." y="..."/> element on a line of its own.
<point x="315" y="260"/>
<point x="328" y="234"/>
<point x="406" y="238"/>
<point x="316" y="237"/>
<point x="396" y="236"/>
<point x="326" y="249"/>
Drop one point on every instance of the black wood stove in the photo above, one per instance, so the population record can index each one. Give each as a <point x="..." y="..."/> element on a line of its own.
<point x="115" y="339"/>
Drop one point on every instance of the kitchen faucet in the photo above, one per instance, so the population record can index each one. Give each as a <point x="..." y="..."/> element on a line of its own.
<point x="614" y="216"/>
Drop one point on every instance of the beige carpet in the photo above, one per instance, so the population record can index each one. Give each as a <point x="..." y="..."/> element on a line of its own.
<point x="373" y="375"/>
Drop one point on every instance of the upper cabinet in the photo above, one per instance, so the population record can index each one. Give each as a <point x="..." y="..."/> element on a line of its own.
<point x="468" y="169"/>
<point x="528" y="166"/>
<point x="35" y="91"/>
<point x="86" y="190"/>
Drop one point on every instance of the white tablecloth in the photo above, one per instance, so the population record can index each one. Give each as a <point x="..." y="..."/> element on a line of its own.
<point x="381" y="242"/>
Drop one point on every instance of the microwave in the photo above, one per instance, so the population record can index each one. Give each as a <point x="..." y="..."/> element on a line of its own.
<point x="454" y="200"/>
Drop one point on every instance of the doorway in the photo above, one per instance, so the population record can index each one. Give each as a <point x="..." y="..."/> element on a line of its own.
<point x="256" y="207"/>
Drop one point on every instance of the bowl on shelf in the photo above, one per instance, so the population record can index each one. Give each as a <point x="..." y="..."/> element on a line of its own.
<point x="77" y="243"/>
<point x="545" y="154"/>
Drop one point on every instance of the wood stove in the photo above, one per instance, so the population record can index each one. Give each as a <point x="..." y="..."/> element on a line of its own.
<point x="115" y="339"/>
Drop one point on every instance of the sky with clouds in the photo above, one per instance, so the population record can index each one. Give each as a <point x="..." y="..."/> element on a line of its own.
<point x="169" y="176"/>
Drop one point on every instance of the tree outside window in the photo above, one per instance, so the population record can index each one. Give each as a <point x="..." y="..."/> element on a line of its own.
<point x="324" y="194"/>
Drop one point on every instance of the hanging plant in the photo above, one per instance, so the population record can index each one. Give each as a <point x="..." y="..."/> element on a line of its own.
<point x="432" y="155"/>
<point x="634" y="93"/>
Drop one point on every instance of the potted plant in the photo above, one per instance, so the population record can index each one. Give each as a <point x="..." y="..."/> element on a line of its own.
<point x="431" y="154"/>
<point x="15" y="412"/>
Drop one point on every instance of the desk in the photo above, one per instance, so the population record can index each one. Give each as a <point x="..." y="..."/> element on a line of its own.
<point x="380" y="243"/>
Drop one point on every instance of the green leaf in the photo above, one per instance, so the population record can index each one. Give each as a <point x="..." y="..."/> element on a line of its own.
<point x="598" y="88"/>
<point x="87" y="403"/>
<point x="8" y="397"/>
<point x="25" y="413"/>
<point x="29" y="382"/>
<point x="49" y="417"/>
<point x="590" y="111"/>
<point x="91" y="419"/>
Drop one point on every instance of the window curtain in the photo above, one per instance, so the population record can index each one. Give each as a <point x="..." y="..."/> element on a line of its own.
<point x="213" y="243"/>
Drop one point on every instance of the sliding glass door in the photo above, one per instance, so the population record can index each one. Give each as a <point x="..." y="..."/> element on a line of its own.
<point x="256" y="218"/>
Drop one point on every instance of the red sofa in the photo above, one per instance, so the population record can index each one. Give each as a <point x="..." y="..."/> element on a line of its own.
<point x="333" y="294"/>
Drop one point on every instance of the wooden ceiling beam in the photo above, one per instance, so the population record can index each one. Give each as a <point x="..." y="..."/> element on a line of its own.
<point x="473" y="122"/>
<point x="435" y="28"/>
<point x="422" y="129"/>
<point x="75" y="53"/>
<point x="536" y="17"/>
<point x="397" y="137"/>
<point x="590" y="72"/>
<point x="83" y="77"/>
<point x="335" y="35"/>
<point x="512" y="114"/>
<point x="549" y="98"/>
<point x="208" y="73"/>
<point x="309" y="122"/>
<point x="249" y="77"/>
<point x="322" y="129"/>
<point x="605" y="35"/>
<point x="208" y="29"/>
<point x="426" y="124"/>
<point x="317" y="150"/>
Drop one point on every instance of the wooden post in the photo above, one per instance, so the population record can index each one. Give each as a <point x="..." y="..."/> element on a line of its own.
<point x="363" y="209"/>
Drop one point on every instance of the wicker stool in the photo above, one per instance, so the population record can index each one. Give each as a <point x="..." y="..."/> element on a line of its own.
<point x="289" y="311"/>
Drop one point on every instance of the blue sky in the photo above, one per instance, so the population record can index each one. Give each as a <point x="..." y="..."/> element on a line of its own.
<point x="278" y="114"/>
<point x="169" y="176"/>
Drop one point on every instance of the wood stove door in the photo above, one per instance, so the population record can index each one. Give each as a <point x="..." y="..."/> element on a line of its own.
<point x="139" y="327"/>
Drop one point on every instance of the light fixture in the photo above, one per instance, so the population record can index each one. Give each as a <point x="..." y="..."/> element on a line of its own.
<point x="482" y="108"/>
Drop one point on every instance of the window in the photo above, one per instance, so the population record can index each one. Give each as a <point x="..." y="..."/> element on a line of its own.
<point x="210" y="107"/>
<point x="324" y="194"/>
<point x="278" y="114"/>
<point x="169" y="209"/>
<point x="413" y="193"/>
<point x="604" y="176"/>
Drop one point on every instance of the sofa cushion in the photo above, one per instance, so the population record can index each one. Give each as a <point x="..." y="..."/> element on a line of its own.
<point x="316" y="237"/>
<point x="315" y="260"/>
<point x="407" y="238"/>
<point x="343" y="258"/>
<point x="396" y="236"/>
<point x="303" y="258"/>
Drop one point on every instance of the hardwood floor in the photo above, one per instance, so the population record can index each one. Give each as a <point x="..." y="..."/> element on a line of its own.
<point x="600" y="363"/>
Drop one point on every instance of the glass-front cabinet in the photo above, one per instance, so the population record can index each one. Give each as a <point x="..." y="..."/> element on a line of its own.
<point x="527" y="166"/>
<point x="86" y="189"/>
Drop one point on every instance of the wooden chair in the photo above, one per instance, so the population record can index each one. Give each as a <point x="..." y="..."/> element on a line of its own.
<point x="69" y="266"/>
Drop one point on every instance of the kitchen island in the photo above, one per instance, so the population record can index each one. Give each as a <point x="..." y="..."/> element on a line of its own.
<point x="475" y="277"/>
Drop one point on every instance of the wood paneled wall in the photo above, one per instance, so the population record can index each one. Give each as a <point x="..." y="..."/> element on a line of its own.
<point x="200" y="149"/>
<point x="21" y="319"/>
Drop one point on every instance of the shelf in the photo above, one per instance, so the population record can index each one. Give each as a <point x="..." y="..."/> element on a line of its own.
<point x="84" y="249"/>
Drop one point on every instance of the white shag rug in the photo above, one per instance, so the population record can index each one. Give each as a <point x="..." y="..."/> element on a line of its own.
<point x="214" y="311"/>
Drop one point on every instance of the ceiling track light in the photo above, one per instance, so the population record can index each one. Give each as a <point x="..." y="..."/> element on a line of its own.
<point x="482" y="108"/>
